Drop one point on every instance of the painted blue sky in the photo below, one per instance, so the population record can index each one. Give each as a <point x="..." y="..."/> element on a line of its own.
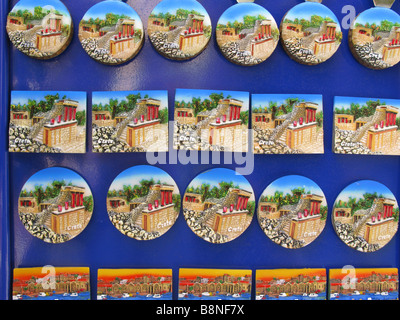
<point x="376" y="15"/>
<point x="172" y="5"/>
<point x="22" y="97"/>
<point x="104" y="96"/>
<point x="357" y="189"/>
<point x="133" y="175"/>
<point x="100" y="10"/>
<point x="45" y="4"/>
<point x="287" y="183"/>
<point x="262" y="100"/>
<point x="187" y="95"/>
<point x="306" y="9"/>
<point x="217" y="175"/>
<point x="48" y="175"/>
<point x="238" y="11"/>
<point x="345" y="102"/>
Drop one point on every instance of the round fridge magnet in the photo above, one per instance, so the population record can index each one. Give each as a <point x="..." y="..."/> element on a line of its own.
<point x="374" y="36"/>
<point x="143" y="202"/>
<point x="111" y="32"/>
<point x="218" y="205"/>
<point x="55" y="204"/>
<point x="179" y="29"/>
<point x="247" y="34"/>
<point x="41" y="29"/>
<point x="365" y="215"/>
<point x="310" y="33"/>
<point x="292" y="211"/>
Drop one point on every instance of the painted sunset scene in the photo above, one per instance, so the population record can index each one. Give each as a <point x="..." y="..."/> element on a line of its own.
<point x="364" y="284"/>
<point x="291" y="284"/>
<point x="130" y="121"/>
<point x="55" y="205"/>
<point x="47" y="122"/>
<point x="247" y="34"/>
<point x="292" y="211"/>
<point x="214" y="284"/>
<point x="375" y="38"/>
<point x="134" y="284"/>
<point x="211" y="120"/>
<point x="366" y="126"/>
<point x="51" y="283"/>
<point x="310" y="33"/>
<point x="179" y="30"/>
<point x="218" y="205"/>
<point x="41" y="29"/>
<point x="111" y="32"/>
<point x="143" y="202"/>
<point x="366" y="215"/>
<point x="287" y="123"/>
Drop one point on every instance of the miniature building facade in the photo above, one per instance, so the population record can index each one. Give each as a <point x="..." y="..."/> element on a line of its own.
<point x="185" y="116"/>
<point x="50" y="36"/>
<point x="27" y="205"/>
<point x="303" y="131"/>
<point x="326" y="43"/>
<point x="192" y="201"/>
<point x="160" y="216"/>
<point x="63" y="129"/>
<point x="391" y="50"/>
<point x="345" y="122"/>
<point x="295" y="286"/>
<point x="263" y="40"/>
<point x="193" y="37"/>
<point x="145" y="129"/>
<point x="232" y="220"/>
<point x="69" y="218"/>
<point x="125" y="39"/>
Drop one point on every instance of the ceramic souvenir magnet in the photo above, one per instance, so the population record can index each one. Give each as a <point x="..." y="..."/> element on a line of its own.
<point x="51" y="283"/>
<point x="55" y="204"/>
<point x="211" y="120"/>
<point x="365" y="215"/>
<point x="287" y="123"/>
<point x="214" y="284"/>
<point x="374" y="36"/>
<point x="366" y="126"/>
<point x="291" y="284"/>
<point x="41" y="29"/>
<point x="134" y="284"/>
<point x="247" y="34"/>
<point x="292" y="211"/>
<point x="143" y="202"/>
<point x="179" y="29"/>
<point x="351" y="283"/>
<point x="218" y="205"/>
<point x="310" y="33"/>
<point x="130" y="121"/>
<point x="111" y="32"/>
<point x="47" y="122"/>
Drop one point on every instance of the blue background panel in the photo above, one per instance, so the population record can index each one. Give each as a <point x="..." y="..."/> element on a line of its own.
<point x="101" y="245"/>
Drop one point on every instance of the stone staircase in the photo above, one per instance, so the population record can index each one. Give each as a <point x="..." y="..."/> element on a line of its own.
<point x="136" y="213"/>
<point x="44" y="216"/>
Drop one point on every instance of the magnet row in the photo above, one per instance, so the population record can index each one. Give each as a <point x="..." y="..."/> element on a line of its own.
<point x="204" y="120"/>
<point x="73" y="283"/>
<point x="111" y="32"/>
<point x="143" y="203"/>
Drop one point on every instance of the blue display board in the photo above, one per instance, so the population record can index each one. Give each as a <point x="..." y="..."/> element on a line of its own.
<point x="101" y="245"/>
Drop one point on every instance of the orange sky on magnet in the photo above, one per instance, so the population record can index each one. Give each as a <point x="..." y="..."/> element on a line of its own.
<point x="111" y="274"/>
<point x="360" y="273"/>
<point x="268" y="275"/>
<point x="27" y="273"/>
<point x="211" y="273"/>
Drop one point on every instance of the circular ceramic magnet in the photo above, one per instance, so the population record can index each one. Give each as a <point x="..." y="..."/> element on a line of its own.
<point x="179" y="29"/>
<point x="292" y="211"/>
<point x="374" y="38"/>
<point x="218" y="205"/>
<point x="41" y="29"/>
<point x="247" y="34"/>
<point x="365" y="215"/>
<point x="55" y="204"/>
<point x="143" y="202"/>
<point x="111" y="32"/>
<point x="310" y="33"/>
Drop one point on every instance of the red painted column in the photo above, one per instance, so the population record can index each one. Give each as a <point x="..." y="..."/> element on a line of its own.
<point x="162" y="198"/>
<point x="82" y="200"/>
<point x="73" y="200"/>
<point x="170" y="197"/>
<point x="148" y="113"/>
<point x="157" y="112"/>
<point x="65" y="113"/>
